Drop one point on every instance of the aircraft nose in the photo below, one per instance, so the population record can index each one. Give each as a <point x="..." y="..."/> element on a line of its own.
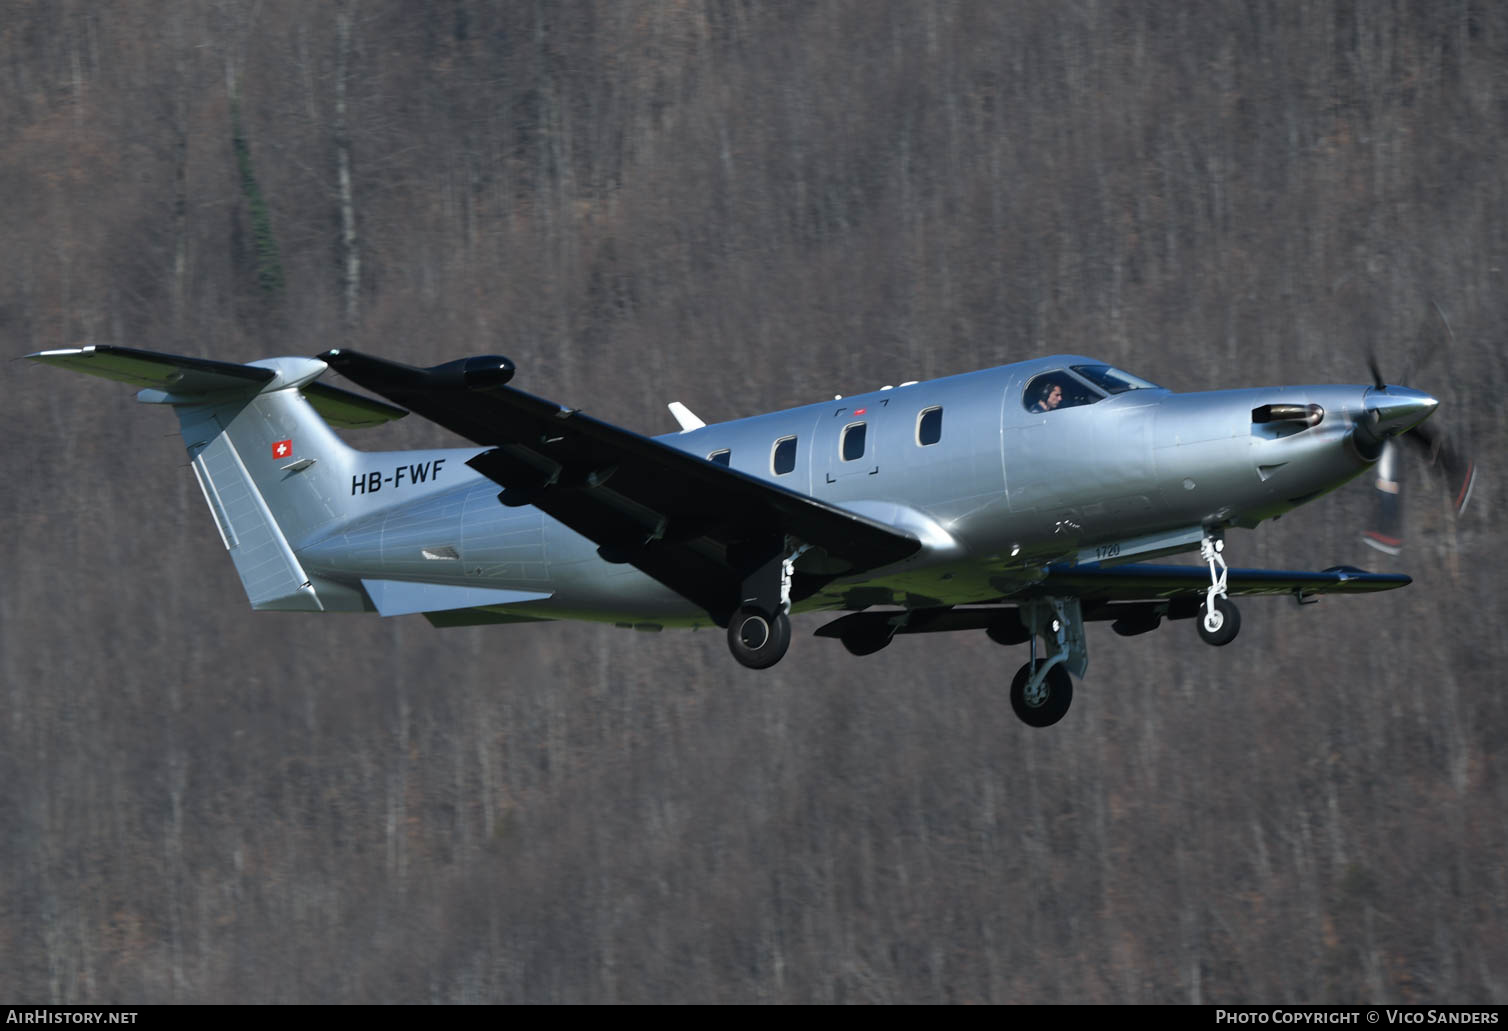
<point x="1392" y="410"/>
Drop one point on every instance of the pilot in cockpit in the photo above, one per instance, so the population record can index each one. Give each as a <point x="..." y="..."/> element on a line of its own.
<point x="1050" y="397"/>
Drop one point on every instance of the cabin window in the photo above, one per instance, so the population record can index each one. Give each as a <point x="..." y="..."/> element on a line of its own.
<point x="722" y="457"/>
<point x="1054" y="390"/>
<point x="852" y="446"/>
<point x="783" y="457"/>
<point x="929" y="426"/>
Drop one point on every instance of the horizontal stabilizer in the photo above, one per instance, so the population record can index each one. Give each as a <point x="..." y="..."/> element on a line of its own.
<point x="150" y="369"/>
<point x="403" y="597"/>
<point x="348" y="411"/>
<point x="177" y="379"/>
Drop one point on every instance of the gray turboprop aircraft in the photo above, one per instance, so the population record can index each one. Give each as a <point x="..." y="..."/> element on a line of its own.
<point x="1022" y="501"/>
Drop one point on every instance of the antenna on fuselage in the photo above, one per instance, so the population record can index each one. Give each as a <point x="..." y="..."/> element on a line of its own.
<point x="685" y="417"/>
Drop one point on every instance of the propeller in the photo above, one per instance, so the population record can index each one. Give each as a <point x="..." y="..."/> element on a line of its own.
<point x="1454" y="466"/>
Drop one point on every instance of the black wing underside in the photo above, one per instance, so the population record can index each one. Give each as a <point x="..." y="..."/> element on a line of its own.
<point x="699" y="528"/>
<point x="1137" y="581"/>
<point x="1134" y="597"/>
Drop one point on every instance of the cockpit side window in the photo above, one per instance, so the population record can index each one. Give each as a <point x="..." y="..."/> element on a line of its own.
<point x="1112" y="380"/>
<point x="1054" y="390"/>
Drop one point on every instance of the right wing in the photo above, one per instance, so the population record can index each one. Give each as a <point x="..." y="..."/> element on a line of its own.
<point x="700" y="528"/>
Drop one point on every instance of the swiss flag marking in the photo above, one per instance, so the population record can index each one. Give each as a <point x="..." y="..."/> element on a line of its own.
<point x="282" y="449"/>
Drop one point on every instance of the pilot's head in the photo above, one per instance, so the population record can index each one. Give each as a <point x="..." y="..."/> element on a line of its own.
<point x="1052" y="396"/>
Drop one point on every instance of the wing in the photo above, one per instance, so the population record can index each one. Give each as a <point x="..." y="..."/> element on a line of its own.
<point x="1145" y="582"/>
<point x="700" y="528"/>
<point x="1134" y="597"/>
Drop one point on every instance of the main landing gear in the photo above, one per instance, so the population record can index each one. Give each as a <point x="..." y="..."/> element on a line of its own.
<point x="1219" y="619"/>
<point x="1042" y="689"/>
<point x="759" y="631"/>
<point x="1041" y="701"/>
<point x="758" y="639"/>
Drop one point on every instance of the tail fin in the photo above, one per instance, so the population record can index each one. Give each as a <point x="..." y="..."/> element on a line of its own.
<point x="272" y="471"/>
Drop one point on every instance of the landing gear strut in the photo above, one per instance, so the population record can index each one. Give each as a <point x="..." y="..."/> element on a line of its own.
<point x="1042" y="689"/>
<point x="759" y="631"/>
<point x="1219" y="619"/>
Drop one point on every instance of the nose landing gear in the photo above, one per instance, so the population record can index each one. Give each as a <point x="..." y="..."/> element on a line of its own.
<point x="1219" y="619"/>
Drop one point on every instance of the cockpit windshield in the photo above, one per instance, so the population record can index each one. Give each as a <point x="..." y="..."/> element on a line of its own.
<point x="1112" y="380"/>
<point x="1085" y="385"/>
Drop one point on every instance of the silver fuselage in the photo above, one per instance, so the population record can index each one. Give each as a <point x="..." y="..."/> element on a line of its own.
<point x="1001" y="493"/>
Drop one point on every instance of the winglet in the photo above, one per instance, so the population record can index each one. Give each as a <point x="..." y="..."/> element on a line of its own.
<point x="685" y="417"/>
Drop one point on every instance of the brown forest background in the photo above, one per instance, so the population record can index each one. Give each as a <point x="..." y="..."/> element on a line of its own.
<point x="743" y="206"/>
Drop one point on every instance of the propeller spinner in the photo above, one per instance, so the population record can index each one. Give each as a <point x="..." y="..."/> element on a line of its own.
<point x="1393" y="416"/>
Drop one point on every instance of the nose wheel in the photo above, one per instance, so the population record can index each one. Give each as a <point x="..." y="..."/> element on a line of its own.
<point x="1041" y="701"/>
<point x="1220" y="625"/>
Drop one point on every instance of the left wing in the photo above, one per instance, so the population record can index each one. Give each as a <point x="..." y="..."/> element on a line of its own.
<point x="1136" y="581"/>
<point x="699" y="528"/>
<point x="1135" y="597"/>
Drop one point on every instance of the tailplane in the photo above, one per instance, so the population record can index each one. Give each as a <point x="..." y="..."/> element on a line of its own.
<point x="273" y="472"/>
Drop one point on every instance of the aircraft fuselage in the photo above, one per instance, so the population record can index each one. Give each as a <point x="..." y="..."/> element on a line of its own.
<point x="994" y="489"/>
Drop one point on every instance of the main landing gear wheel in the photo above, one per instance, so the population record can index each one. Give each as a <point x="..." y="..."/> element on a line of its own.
<point x="1220" y="626"/>
<point x="1049" y="702"/>
<point x="757" y="639"/>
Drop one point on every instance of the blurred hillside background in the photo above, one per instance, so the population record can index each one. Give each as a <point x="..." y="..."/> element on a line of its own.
<point x="743" y="206"/>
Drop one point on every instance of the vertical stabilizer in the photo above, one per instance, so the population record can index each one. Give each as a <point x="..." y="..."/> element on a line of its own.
<point x="270" y="572"/>
<point x="272" y="470"/>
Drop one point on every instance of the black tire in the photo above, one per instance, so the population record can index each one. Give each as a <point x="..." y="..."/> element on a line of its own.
<point x="1056" y="696"/>
<point x="757" y="639"/>
<point x="1230" y="623"/>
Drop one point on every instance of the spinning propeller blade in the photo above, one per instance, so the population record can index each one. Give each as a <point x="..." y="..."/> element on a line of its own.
<point x="1386" y="532"/>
